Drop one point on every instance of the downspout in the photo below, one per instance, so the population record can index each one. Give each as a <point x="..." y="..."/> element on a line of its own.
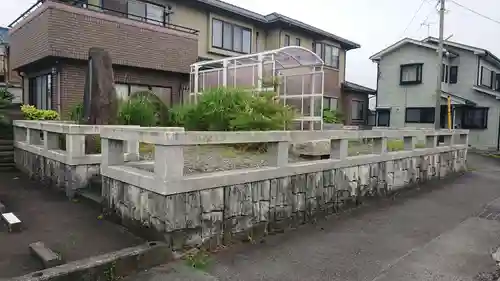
<point x="58" y="68"/>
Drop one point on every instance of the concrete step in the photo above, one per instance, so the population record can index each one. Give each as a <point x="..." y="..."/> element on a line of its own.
<point x="48" y="257"/>
<point x="7" y="142"/>
<point x="90" y="195"/>
<point x="12" y="221"/>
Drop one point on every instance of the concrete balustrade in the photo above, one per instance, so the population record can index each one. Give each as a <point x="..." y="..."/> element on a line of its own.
<point x="190" y="210"/>
<point x="38" y="152"/>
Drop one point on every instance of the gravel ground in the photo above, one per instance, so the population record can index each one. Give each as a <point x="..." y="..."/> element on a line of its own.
<point x="215" y="158"/>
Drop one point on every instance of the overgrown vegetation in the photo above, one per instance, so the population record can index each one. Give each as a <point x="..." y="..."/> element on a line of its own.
<point x="30" y="112"/>
<point x="224" y="109"/>
<point x="199" y="259"/>
<point x="138" y="110"/>
<point x="332" y="116"/>
<point x="5" y="101"/>
<point x="76" y="113"/>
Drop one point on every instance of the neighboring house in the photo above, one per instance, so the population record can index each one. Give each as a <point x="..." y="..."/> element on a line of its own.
<point x="152" y="44"/>
<point x="8" y="78"/>
<point x="407" y="77"/>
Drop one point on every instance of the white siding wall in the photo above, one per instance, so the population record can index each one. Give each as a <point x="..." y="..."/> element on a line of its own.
<point x="398" y="97"/>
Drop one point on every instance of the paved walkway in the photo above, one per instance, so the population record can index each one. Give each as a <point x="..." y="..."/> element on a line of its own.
<point x="433" y="235"/>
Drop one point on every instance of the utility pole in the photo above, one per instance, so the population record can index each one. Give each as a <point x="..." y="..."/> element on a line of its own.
<point x="437" y="111"/>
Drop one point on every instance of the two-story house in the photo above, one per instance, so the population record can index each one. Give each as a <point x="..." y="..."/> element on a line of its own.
<point x="153" y="43"/>
<point x="8" y="79"/>
<point x="406" y="88"/>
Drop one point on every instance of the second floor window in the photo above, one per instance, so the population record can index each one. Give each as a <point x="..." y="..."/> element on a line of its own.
<point x="411" y="74"/>
<point x="328" y="53"/>
<point x="231" y="37"/>
<point x="148" y="12"/>
<point x="453" y="74"/>
<point x="287" y="40"/>
<point x="497" y="82"/>
<point x="487" y="77"/>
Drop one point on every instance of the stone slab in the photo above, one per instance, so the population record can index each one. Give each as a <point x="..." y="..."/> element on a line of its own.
<point x="110" y="266"/>
<point x="48" y="257"/>
<point x="12" y="221"/>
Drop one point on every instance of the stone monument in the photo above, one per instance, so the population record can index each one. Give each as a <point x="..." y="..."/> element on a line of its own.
<point x="100" y="103"/>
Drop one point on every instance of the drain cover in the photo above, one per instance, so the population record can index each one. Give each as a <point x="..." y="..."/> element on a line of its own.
<point x="490" y="213"/>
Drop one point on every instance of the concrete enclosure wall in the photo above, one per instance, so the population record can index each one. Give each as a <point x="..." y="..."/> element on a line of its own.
<point x="248" y="211"/>
<point x="211" y="209"/>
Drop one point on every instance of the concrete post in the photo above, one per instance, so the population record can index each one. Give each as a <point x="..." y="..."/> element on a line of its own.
<point x="133" y="150"/>
<point x="75" y="145"/>
<point x="20" y="134"/>
<point x="279" y="152"/>
<point x="112" y="152"/>
<point x="430" y="141"/>
<point x="50" y="140"/>
<point x="33" y="137"/>
<point x="339" y="149"/>
<point x="410" y="142"/>
<point x="380" y="145"/>
<point x="169" y="162"/>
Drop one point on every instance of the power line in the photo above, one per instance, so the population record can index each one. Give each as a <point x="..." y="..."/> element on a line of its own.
<point x="475" y="12"/>
<point x="414" y="16"/>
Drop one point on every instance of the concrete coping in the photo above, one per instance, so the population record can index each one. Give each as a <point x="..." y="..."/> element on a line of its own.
<point x="63" y="127"/>
<point x="174" y="137"/>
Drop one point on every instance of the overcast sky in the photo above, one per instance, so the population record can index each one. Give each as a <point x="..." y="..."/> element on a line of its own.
<point x="374" y="24"/>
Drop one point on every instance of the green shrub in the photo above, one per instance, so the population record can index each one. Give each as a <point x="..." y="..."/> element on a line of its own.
<point x="137" y="111"/>
<point x="332" y="116"/>
<point x="30" y="112"/>
<point x="5" y="101"/>
<point x="76" y="114"/>
<point x="159" y="108"/>
<point x="224" y="109"/>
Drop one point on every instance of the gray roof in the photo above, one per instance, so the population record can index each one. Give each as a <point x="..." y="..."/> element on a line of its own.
<point x="4" y="32"/>
<point x="435" y="40"/>
<point x="275" y="17"/>
<point x="358" y="88"/>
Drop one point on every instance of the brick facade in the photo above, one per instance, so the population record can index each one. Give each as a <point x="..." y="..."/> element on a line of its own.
<point x="73" y="82"/>
<point x="60" y="30"/>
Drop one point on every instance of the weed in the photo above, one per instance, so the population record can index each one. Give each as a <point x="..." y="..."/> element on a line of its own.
<point x="200" y="260"/>
<point x="110" y="273"/>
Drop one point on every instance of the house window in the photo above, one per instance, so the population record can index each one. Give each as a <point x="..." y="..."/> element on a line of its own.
<point x="297" y="41"/>
<point x="330" y="103"/>
<point x="287" y="40"/>
<point x="497" y="82"/>
<point x="231" y="37"/>
<point x="475" y="118"/>
<point x="444" y="78"/>
<point x="419" y="115"/>
<point x="40" y="91"/>
<point x="123" y="91"/>
<point x="148" y="12"/>
<point x="411" y="74"/>
<point x="486" y="77"/>
<point x="330" y="54"/>
<point x="453" y="74"/>
<point x="383" y="117"/>
<point x="357" y="110"/>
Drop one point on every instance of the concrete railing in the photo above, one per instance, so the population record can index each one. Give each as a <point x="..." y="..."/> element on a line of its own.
<point x="55" y="151"/>
<point x="168" y="175"/>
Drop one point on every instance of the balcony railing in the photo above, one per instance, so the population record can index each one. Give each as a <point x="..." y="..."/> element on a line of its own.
<point x="84" y="5"/>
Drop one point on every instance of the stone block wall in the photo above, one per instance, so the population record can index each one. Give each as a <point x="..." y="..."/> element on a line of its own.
<point x="54" y="173"/>
<point x="220" y="215"/>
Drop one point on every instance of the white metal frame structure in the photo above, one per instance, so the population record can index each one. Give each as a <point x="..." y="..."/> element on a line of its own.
<point x="294" y="72"/>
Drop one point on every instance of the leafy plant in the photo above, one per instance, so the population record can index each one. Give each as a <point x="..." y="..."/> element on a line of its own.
<point x="30" y="112"/>
<point x="224" y="109"/>
<point x="137" y="111"/>
<point x="199" y="259"/>
<point x="76" y="114"/>
<point x="5" y="101"/>
<point x="332" y="116"/>
<point x="159" y="108"/>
